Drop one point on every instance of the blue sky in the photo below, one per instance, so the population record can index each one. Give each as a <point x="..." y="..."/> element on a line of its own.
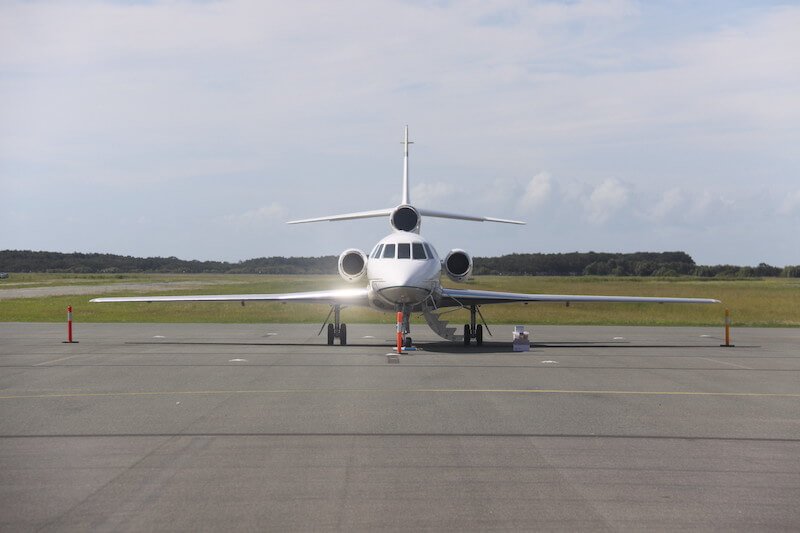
<point x="196" y="129"/>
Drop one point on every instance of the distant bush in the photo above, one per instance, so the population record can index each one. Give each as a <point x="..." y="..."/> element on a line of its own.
<point x="791" y="272"/>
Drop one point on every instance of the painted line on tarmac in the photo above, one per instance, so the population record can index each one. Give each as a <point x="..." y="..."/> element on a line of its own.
<point x="59" y="360"/>
<point x="725" y="363"/>
<point x="448" y="391"/>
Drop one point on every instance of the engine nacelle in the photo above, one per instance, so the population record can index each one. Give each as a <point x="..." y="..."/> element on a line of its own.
<point x="458" y="265"/>
<point x="353" y="264"/>
<point x="405" y="218"/>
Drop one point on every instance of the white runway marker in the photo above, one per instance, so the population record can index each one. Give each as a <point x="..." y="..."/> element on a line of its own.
<point x="237" y="360"/>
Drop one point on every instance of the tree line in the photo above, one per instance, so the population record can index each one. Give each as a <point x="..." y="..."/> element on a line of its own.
<point x="81" y="263"/>
<point x="643" y="264"/>
<point x="658" y="264"/>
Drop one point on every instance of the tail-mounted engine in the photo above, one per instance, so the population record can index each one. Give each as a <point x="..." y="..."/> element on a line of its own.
<point x="353" y="264"/>
<point x="405" y="218"/>
<point x="458" y="265"/>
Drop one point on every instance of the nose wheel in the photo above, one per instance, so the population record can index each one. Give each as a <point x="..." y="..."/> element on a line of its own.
<point x="404" y="327"/>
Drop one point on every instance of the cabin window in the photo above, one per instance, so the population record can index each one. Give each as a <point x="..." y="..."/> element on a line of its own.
<point x="404" y="251"/>
<point x="417" y="250"/>
<point x="429" y="250"/>
<point x="388" y="251"/>
<point x="377" y="251"/>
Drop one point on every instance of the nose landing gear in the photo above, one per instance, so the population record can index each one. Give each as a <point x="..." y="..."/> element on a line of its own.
<point x="404" y="326"/>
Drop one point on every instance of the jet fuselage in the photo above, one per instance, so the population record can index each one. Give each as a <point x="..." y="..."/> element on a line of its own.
<point x="403" y="270"/>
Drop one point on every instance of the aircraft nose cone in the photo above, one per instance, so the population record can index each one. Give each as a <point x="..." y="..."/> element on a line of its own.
<point x="405" y="295"/>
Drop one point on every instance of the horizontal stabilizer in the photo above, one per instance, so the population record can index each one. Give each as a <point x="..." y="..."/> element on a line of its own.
<point x="387" y="212"/>
<point x="347" y="216"/>
<point x="439" y="214"/>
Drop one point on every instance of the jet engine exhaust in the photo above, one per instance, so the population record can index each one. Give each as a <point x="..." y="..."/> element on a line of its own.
<point x="405" y="218"/>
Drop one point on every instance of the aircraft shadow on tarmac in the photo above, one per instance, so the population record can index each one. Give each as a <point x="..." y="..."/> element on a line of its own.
<point x="495" y="347"/>
<point x="214" y="343"/>
<point x="446" y="347"/>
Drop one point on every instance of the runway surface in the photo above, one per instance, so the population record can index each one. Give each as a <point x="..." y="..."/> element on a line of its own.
<point x="176" y="427"/>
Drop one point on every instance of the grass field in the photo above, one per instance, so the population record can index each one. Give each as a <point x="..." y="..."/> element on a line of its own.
<point x="769" y="302"/>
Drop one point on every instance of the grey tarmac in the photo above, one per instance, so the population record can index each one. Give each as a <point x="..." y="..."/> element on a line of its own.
<point x="209" y="427"/>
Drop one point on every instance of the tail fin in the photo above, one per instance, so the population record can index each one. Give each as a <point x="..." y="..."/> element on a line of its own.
<point x="406" y="198"/>
<point x="405" y="205"/>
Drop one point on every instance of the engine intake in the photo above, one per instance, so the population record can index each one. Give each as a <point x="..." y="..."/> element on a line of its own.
<point x="405" y="218"/>
<point x="458" y="265"/>
<point x="352" y="264"/>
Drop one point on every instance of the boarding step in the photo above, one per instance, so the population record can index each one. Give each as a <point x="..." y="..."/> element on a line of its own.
<point x="441" y="327"/>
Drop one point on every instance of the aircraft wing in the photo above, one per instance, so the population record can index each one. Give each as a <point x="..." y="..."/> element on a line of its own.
<point x="344" y="297"/>
<point x="465" y="297"/>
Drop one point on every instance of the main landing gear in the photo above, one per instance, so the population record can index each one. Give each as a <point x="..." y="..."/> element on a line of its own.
<point x="336" y="330"/>
<point x="473" y="330"/>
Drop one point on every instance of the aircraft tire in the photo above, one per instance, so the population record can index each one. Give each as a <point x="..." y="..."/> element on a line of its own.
<point x="467" y="334"/>
<point x="330" y="334"/>
<point x="408" y="342"/>
<point x="343" y="334"/>
<point x="479" y="335"/>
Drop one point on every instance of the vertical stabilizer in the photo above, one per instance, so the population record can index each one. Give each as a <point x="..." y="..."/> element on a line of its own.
<point x="404" y="217"/>
<point x="406" y="199"/>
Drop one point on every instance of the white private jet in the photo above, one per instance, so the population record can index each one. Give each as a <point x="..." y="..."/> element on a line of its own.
<point x="403" y="274"/>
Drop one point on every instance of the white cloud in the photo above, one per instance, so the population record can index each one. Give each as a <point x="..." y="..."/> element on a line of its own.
<point x="537" y="191"/>
<point x="670" y="202"/>
<point x="271" y="212"/>
<point x="605" y="200"/>
<point x="790" y="203"/>
<point x="695" y="207"/>
<point x="429" y="194"/>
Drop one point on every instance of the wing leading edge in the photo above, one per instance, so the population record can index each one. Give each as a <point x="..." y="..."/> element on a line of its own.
<point x="459" y="297"/>
<point x="345" y="297"/>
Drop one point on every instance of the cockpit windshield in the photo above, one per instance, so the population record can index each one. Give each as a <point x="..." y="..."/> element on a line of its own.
<point x="405" y="250"/>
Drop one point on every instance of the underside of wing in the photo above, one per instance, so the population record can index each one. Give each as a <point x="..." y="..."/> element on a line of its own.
<point x="463" y="297"/>
<point x="344" y="297"/>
